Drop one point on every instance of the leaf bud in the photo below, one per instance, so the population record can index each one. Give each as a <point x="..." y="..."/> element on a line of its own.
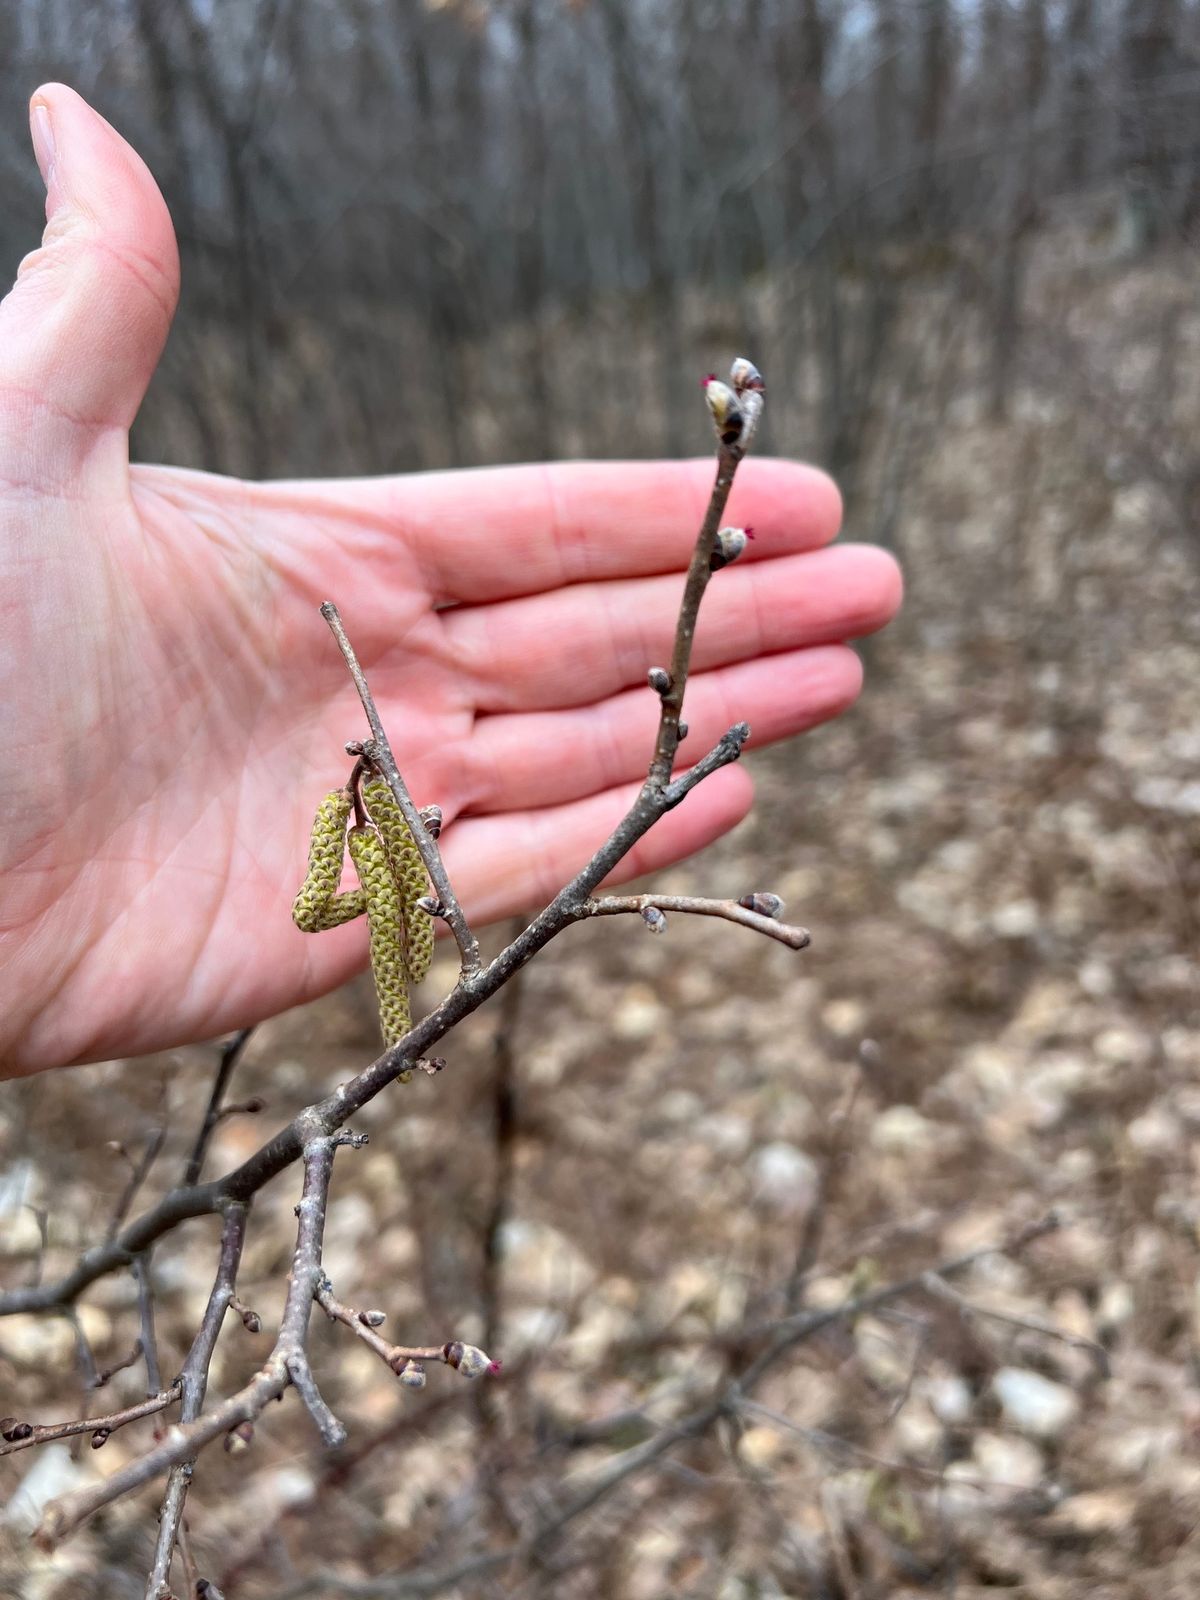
<point x="372" y="1319"/>
<point x="470" y="1360"/>
<point x="654" y="919"/>
<point x="431" y="906"/>
<point x="727" y="415"/>
<point x="431" y="816"/>
<point x="100" y="1438"/>
<point x="659" y="680"/>
<point x="412" y="1375"/>
<point x="12" y="1429"/>
<point x="766" y="905"/>
<point x="745" y="375"/>
<point x="681" y="732"/>
<point x="728" y="546"/>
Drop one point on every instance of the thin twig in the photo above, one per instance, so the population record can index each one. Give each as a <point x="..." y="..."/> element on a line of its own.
<point x="936" y="1286"/>
<point x="192" y="1383"/>
<point x="148" y="1343"/>
<point x="692" y="905"/>
<point x="381" y="754"/>
<point x="231" y="1054"/>
<point x="45" y="1433"/>
<point x="138" y="1172"/>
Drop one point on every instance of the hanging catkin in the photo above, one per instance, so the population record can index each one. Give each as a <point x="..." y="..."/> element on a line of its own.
<point x="318" y="905"/>
<point x="385" y="923"/>
<point x="409" y="872"/>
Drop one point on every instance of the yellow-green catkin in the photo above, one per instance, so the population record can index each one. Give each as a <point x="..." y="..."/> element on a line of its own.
<point x="385" y="921"/>
<point x="409" y="872"/>
<point x="318" y="905"/>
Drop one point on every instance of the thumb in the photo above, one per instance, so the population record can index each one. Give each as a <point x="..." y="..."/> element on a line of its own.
<point x="82" y="331"/>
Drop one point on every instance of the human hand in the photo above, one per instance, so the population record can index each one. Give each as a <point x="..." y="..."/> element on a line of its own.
<point x="175" y="707"/>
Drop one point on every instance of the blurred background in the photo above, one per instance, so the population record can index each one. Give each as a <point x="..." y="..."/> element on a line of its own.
<point x="960" y="240"/>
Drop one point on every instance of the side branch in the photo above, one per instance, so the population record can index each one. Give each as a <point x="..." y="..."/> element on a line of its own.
<point x="612" y="905"/>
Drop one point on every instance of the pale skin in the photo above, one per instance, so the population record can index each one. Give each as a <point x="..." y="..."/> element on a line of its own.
<point x="174" y="707"/>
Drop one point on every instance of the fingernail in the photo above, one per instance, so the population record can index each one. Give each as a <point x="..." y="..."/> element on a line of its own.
<point x="42" y="131"/>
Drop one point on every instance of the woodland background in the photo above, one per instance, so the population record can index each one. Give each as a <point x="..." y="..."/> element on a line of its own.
<point x="960" y="239"/>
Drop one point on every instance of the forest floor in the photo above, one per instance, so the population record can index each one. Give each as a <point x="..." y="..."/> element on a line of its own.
<point x="998" y="853"/>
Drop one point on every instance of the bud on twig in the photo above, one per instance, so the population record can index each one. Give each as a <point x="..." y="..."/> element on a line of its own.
<point x="654" y="919"/>
<point x="14" y="1430"/>
<point x="659" y="680"/>
<point x="681" y="732"/>
<point x="727" y="415"/>
<point x="372" y="1319"/>
<point x="100" y="1438"/>
<point x="470" y="1360"/>
<point x="431" y="906"/>
<point x="766" y="905"/>
<point x="251" y="1320"/>
<point x="744" y="375"/>
<point x="728" y="546"/>
<point x="431" y="816"/>
<point x="412" y="1375"/>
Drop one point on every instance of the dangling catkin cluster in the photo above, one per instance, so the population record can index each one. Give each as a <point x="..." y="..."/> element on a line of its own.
<point x="392" y="878"/>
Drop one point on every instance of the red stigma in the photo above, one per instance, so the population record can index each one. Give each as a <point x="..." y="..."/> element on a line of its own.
<point x="749" y="532"/>
<point x="709" y="377"/>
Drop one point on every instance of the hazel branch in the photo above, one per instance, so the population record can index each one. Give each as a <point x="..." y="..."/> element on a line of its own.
<point x="658" y="795"/>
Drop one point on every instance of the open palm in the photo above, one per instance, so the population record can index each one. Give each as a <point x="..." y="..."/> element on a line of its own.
<point x="175" y="707"/>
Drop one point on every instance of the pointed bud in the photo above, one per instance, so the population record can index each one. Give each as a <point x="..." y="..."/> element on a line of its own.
<point x="727" y="415"/>
<point x="251" y="1321"/>
<point x="412" y="1375"/>
<point x="745" y="375"/>
<point x="470" y="1360"/>
<point x="659" y="680"/>
<point x="727" y="547"/>
<point x="654" y="919"/>
<point x="431" y="816"/>
<point x="100" y="1438"/>
<point x="372" y="1319"/>
<point x="681" y="732"/>
<point x="766" y="905"/>
<point x="432" y="906"/>
<point x="14" y="1430"/>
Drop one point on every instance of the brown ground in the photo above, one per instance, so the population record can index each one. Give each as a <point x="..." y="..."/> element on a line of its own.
<point x="997" y="854"/>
